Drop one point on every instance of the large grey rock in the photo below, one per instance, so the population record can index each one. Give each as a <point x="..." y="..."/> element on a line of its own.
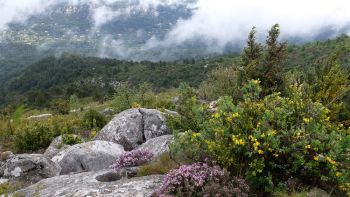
<point x="89" y="156"/>
<point x="133" y="127"/>
<point x="154" y="123"/>
<point x="157" y="145"/>
<point x="56" y="146"/>
<point x="86" y="184"/>
<point x="28" y="168"/>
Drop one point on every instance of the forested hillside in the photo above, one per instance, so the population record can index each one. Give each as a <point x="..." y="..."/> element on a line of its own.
<point x="60" y="77"/>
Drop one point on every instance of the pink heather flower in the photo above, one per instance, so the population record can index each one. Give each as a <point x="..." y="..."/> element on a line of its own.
<point x="193" y="178"/>
<point x="132" y="158"/>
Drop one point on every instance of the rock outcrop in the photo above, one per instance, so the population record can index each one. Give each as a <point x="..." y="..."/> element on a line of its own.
<point x="133" y="127"/>
<point x="89" y="156"/>
<point x="157" y="145"/>
<point x="28" y="168"/>
<point x="86" y="184"/>
<point x="56" y="146"/>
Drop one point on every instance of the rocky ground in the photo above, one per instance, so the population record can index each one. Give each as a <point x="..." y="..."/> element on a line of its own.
<point x="84" y="169"/>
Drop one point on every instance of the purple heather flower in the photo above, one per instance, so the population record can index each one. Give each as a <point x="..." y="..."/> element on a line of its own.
<point x="133" y="158"/>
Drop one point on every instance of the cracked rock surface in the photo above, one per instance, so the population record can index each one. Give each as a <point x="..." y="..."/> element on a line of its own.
<point x="86" y="184"/>
<point x="88" y="156"/>
<point x="133" y="127"/>
<point x="28" y="168"/>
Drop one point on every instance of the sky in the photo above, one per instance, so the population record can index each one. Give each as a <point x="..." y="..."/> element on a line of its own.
<point x="218" y="22"/>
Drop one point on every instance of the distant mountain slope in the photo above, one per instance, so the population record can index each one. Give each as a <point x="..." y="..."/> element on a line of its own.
<point x="86" y="76"/>
<point x="304" y="55"/>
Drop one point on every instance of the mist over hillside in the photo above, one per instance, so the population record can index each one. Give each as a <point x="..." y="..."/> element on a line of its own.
<point x="154" y="30"/>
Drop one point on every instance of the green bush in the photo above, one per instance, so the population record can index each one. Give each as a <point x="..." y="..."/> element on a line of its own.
<point x="269" y="140"/>
<point x="60" y="106"/>
<point x="94" y="119"/>
<point x="71" y="139"/>
<point x="35" y="135"/>
<point x="161" y="165"/>
<point x="221" y="81"/>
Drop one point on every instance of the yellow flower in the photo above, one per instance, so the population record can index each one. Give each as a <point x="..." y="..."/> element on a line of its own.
<point x="196" y="134"/>
<point x="216" y="115"/>
<point x="256" y="82"/>
<point x="260" y="152"/>
<point x="331" y="161"/>
<point x="306" y="120"/>
<point x="258" y="125"/>
<point x="316" y="158"/>
<point x="235" y="115"/>
<point x="241" y="142"/>
<point x="256" y="144"/>
<point x="272" y="133"/>
<point x="308" y="146"/>
<point x="338" y="174"/>
<point x="228" y="119"/>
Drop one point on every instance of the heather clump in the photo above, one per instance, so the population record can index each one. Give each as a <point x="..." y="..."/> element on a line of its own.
<point x="201" y="179"/>
<point x="132" y="159"/>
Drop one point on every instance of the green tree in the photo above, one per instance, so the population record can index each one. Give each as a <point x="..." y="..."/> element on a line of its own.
<point x="251" y="55"/>
<point x="276" y="53"/>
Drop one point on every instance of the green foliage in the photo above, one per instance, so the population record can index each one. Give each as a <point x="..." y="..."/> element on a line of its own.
<point x="221" y="81"/>
<point x="268" y="140"/>
<point x="74" y="103"/>
<point x="8" y="188"/>
<point x="71" y="139"/>
<point x="191" y="113"/>
<point x="35" y="135"/>
<point x="60" y="106"/>
<point x="17" y="115"/>
<point x="93" y="119"/>
<point x="128" y="96"/>
<point x="253" y="51"/>
<point x="163" y="164"/>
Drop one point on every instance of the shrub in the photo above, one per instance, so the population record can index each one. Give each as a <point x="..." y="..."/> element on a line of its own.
<point x="35" y="135"/>
<point x="132" y="158"/>
<point x="270" y="139"/>
<point x="93" y="119"/>
<point x="60" y="106"/>
<point x="162" y="165"/>
<point x="221" y="81"/>
<point x="71" y="139"/>
<point x="200" y="179"/>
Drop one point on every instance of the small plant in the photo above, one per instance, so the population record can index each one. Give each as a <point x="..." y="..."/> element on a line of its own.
<point x="200" y="179"/>
<point x="162" y="165"/>
<point x="93" y="119"/>
<point x="132" y="158"/>
<point x="7" y="188"/>
<point x="71" y="139"/>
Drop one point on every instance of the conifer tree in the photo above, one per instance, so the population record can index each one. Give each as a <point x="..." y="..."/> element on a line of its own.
<point x="276" y="53"/>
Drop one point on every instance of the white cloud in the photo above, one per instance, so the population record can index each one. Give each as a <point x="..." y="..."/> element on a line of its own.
<point x="217" y="22"/>
<point x="20" y="10"/>
<point x="223" y="21"/>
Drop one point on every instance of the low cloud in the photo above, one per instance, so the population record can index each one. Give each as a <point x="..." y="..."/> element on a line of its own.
<point x="215" y="24"/>
<point x="221" y="22"/>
